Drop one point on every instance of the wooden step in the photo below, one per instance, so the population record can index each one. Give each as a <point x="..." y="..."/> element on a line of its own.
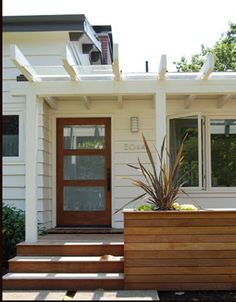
<point x="84" y="230"/>
<point x="68" y="264"/>
<point x="69" y="281"/>
<point x="54" y="248"/>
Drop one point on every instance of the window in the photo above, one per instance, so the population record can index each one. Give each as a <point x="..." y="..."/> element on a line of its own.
<point x="223" y="152"/>
<point x="219" y="149"/>
<point x="191" y="169"/>
<point x="10" y="136"/>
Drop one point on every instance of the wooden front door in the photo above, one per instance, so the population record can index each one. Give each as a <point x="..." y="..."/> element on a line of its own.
<point x="83" y="172"/>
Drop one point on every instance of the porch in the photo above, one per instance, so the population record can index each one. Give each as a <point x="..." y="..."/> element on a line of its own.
<point x="81" y="92"/>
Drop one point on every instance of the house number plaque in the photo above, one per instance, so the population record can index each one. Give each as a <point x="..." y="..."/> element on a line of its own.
<point x="134" y="147"/>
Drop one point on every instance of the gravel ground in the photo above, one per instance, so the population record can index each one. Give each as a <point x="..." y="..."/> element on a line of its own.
<point x="198" y="296"/>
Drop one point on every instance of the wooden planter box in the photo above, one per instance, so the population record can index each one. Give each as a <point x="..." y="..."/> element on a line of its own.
<point x="177" y="250"/>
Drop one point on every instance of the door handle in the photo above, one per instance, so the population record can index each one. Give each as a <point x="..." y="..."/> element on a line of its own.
<point x="108" y="179"/>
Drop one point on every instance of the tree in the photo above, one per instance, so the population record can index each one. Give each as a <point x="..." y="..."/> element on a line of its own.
<point x="224" y="52"/>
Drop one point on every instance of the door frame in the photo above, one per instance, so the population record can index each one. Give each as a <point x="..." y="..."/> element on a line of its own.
<point x="108" y="194"/>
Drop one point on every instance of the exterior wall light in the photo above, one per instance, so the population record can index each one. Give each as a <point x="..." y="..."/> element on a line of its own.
<point x="134" y="124"/>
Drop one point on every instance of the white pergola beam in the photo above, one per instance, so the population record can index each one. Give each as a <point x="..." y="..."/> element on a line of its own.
<point x="87" y="102"/>
<point x="223" y="100"/>
<point x="88" y="88"/>
<point x="189" y="100"/>
<point x="162" y="67"/>
<point x="69" y="63"/>
<point x="208" y="67"/>
<point x="52" y="103"/>
<point x="115" y="64"/>
<point x="22" y="63"/>
<point x="120" y="101"/>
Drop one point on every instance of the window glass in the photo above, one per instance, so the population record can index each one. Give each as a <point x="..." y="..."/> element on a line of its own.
<point x="10" y="137"/>
<point x="179" y="127"/>
<point x="223" y="152"/>
<point x="84" y="167"/>
<point x="84" y="199"/>
<point x="84" y="137"/>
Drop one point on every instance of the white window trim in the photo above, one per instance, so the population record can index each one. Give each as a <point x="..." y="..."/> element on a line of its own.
<point x="208" y="153"/>
<point x="200" y="159"/>
<point x="21" y="155"/>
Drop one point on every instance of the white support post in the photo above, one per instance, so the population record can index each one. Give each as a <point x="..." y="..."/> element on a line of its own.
<point x="69" y="63"/>
<point x="223" y="100"/>
<point x="115" y="64"/>
<point x="208" y="67"/>
<point x="22" y="63"/>
<point x="162" y="68"/>
<point x="160" y="110"/>
<point x="31" y="151"/>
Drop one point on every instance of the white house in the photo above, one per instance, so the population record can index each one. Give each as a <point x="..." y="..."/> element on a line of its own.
<point x="73" y="121"/>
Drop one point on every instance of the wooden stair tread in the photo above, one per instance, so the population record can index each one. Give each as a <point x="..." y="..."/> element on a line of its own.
<point x="66" y="258"/>
<point x="84" y="230"/>
<point x="62" y="276"/>
<point x="63" y="243"/>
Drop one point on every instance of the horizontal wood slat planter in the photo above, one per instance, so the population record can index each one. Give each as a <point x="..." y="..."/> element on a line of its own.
<point x="174" y="250"/>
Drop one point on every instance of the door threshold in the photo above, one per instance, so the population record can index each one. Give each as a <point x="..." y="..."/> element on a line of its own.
<point x="84" y="230"/>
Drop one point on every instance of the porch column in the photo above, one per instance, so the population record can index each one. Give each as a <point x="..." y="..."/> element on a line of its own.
<point x="160" y="108"/>
<point x="31" y="150"/>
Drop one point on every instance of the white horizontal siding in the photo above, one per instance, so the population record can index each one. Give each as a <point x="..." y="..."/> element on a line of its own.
<point x="44" y="145"/>
<point x="44" y="157"/>
<point x="19" y="204"/>
<point x="44" y="179"/>
<point x="14" y="181"/>
<point x="44" y="169"/>
<point x="44" y="216"/>
<point x="44" y="205"/>
<point x="13" y="169"/>
<point x="204" y="106"/>
<point x="13" y="193"/>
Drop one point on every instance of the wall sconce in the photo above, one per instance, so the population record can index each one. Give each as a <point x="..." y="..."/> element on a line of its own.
<point x="134" y="124"/>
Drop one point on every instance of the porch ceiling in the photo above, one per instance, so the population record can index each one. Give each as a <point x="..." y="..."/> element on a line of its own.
<point x="220" y="99"/>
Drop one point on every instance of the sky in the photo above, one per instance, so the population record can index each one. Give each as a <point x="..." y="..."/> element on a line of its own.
<point x="146" y="29"/>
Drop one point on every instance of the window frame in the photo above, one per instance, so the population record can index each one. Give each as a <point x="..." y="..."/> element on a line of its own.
<point x="21" y="150"/>
<point x="208" y="154"/>
<point x="201" y="169"/>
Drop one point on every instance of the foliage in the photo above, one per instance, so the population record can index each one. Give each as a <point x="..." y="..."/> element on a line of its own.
<point x="13" y="229"/>
<point x="160" y="186"/>
<point x="184" y="207"/>
<point x="145" y="207"/>
<point x="223" y="150"/>
<point x="224" y="52"/>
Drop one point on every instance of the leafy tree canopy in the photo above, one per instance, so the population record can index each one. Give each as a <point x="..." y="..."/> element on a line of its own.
<point x="224" y="51"/>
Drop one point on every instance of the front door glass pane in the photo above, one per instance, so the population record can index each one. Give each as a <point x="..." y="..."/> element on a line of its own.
<point x="84" y="137"/>
<point x="84" y="167"/>
<point x="179" y="127"/>
<point x="223" y="152"/>
<point x="84" y="199"/>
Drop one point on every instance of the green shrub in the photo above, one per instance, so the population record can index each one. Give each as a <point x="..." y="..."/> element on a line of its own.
<point x="145" y="207"/>
<point x="13" y="229"/>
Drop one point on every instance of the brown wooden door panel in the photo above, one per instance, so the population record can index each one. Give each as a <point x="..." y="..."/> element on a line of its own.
<point x="73" y="148"/>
